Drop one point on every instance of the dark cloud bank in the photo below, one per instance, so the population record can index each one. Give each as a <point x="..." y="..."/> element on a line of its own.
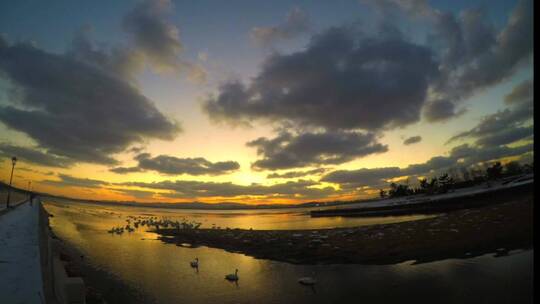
<point x="340" y="81"/>
<point x="347" y="80"/>
<point x="295" y="174"/>
<point x="311" y="149"/>
<point x="412" y="140"/>
<point x="302" y="189"/>
<point x="472" y="54"/>
<point x="296" y="24"/>
<point x="34" y="156"/>
<point x="189" y="189"/>
<point x="506" y="126"/>
<point x="492" y="135"/>
<point x="82" y="106"/>
<point x="74" y="110"/>
<point x="171" y="165"/>
<point x="460" y="156"/>
<point x="68" y="180"/>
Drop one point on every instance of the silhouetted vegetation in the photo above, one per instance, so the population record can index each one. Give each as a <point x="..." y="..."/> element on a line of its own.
<point x="398" y="190"/>
<point x="494" y="172"/>
<point x="469" y="177"/>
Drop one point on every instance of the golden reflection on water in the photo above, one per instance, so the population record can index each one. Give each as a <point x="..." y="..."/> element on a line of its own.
<point x="276" y="219"/>
<point x="162" y="271"/>
<point x="155" y="267"/>
<point x="139" y="254"/>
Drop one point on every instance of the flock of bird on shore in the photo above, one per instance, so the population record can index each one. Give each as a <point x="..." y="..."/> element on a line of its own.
<point x="140" y="221"/>
<point x="137" y="221"/>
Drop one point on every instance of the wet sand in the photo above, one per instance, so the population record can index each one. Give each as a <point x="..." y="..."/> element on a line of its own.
<point x="459" y="234"/>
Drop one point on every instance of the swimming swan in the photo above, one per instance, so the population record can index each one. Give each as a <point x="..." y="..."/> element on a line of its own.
<point x="307" y="281"/>
<point x="232" y="277"/>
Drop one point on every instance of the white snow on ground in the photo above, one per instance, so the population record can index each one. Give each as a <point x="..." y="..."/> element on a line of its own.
<point x="20" y="268"/>
<point x="422" y="198"/>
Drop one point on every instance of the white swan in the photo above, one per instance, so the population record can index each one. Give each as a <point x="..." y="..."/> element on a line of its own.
<point x="307" y="281"/>
<point x="232" y="277"/>
<point x="195" y="263"/>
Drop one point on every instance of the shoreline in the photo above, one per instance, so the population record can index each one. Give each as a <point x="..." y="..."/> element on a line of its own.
<point x="422" y="204"/>
<point x="101" y="286"/>
<point x="497" y="228"/>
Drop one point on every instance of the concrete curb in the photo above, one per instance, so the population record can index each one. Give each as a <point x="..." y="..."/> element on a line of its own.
<point x="58" y="286"/>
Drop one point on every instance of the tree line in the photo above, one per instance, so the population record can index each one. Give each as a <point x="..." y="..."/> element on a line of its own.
<point x="446" y="182"/>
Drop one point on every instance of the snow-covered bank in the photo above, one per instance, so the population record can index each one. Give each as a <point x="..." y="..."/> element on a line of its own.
<point x="423" y="199"/>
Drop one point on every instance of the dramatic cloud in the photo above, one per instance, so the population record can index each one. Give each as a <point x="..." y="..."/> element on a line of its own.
<point x="48" y="173"/>
<point x="67" y="180"/>
<point x="472" y="155"/>
<point x="523" y="92"/>
<point x="296" y="24"/>
<point x="154" y="43"/>
<point x="343" y="79"/>
<point x="348" y="80"/>
<point x="34" y="156"/>
<point x="135" y="193"/>
<point x="433" y="164"/>
<point x="80" y="111"/>
<point x="506" y="136"/>
<point x="288" y="150"/>
<point x="441" y="110"/>
<point x="174" y="166"/>
<point x="158" y="39"/>
<point x="301" y="189"/>
<point x="513" y="46"/>
<point x="506" y="126"/>
<point x="501" y="121"/>
<point x="152" y="33"/>
<point x="412" y="140"/>
<point x="295" y="174"/>
<point x="125" y="170"/>
<point x="361" y="177"/>
<point x="124" y="62"/>
<point x="477" y="57"/>
<point x="472" y="55"/>
<point x="461" y="156"/>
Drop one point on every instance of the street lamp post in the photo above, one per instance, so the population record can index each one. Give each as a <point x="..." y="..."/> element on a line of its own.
<point x="28" y="190"/>
<point x="13" y="161"/>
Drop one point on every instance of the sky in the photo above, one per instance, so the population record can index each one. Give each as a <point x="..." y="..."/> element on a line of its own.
<point x="259" y="102"/>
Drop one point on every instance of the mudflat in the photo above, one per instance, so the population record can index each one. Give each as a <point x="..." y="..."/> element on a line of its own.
<point x="497" y="228"/>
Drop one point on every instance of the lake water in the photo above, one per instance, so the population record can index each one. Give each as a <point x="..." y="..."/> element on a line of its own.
<point x="160" y="273"/>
